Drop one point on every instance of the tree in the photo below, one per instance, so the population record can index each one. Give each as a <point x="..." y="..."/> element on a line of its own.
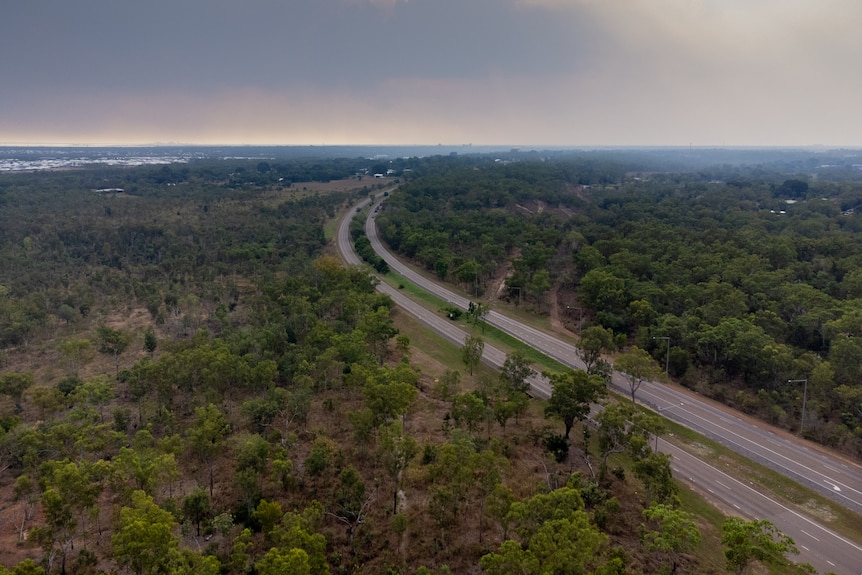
<point x="27" y="491"/>
<point x="150" y="341"/>
<point x="654" y="471"/>
<point x="97" y="392"/>
<point x="69" y="497"/>
<point x="378" y="329"/>
<point x="594" y="341"/>
<point x="622" y="429"/>
<point x="448" y="383"/>
<point x="669" y="532"/>
<point x="757" y="540"/>
<point x="637" y="366"/>
<point x="388" y="392"/>
<point x="471" y="353"/>
<point x="14" y="384"/>
<point x="251" y="452"/>
<point x="196" y="508"/>
<point x="207" y="434"/>
<point x="469" y="410"/>
<point x="556" y="534"/>
<point x="281" y="561"/>
<point x="76" y="351"/>
<point x="572" y="394"/>
<point x="397" y="449"/>
<point x="516" y="369"/>
<point x="476" y="314"/>
<point x="113" y="342"/>
<point x="144" y="539"/>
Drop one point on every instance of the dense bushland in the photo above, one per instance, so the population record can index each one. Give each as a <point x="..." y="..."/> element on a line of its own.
<point x="753" y="272"/>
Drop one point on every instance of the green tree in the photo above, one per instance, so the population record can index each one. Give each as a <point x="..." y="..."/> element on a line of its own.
<point x="113" y="342"/>
<point x="510" y="559"/>
<point x="654" y="471"/>
<point x="150" y="341"/>
<point x="207" y="435"/>
<point x="145" y="464"/>
<point x="556" y="534"/>
<point x="397" y="449"/>
<point x="268" y="514"/>
<point x="571" y="396"/>
<point x="196" y="508"/>
<point x="97" y="392"/>
<point x="14" y="384"/>
<point x="390" y="392"/>
<point x="594" y="341"/>
<point x="378" y="329"/>
<point x="251" y="453"/>
<point x="26" y="491"/>
<point x="69" y="497"/>
<point x="637" y="366"/>
<point x="516" y="369"/>
<point x="471" y="353"/>
<point x="623" y="429"/>
<point x="281" y="561"/>
<point x="469" y="410"/>
<point x="448" y="383"/>
<point x="76" y="351"/>
<point x="669" y="532"/>
<point x="144" y="539"/>
<point x="757" y="540"/>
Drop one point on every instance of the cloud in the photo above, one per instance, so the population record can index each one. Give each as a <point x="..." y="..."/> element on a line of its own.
<point x="448" y="71"/>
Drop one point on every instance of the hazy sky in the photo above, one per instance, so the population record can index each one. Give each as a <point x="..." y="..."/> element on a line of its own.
<point x="510" y="72"/>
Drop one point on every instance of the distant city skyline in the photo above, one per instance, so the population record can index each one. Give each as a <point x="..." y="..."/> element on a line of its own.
<point x="398" y="72"/>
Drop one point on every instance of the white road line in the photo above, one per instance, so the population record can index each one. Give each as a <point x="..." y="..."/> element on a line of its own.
<point x="810" y="535"/>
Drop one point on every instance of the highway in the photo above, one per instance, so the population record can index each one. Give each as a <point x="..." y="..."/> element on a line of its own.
<point x="833" y="476"/>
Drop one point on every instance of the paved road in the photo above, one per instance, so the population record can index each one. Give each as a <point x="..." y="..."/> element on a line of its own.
<point x="840" y="479"/>
<point x="444" y="327"/>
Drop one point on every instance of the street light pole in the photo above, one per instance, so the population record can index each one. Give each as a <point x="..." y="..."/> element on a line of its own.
<point x="580" y="316"/>
<point x="667" y="354"/>
<point x="804" y="399"/>
<point x="519" y="294"/>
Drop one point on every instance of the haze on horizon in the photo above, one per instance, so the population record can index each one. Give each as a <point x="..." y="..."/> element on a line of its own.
<point x="498" y="72"/>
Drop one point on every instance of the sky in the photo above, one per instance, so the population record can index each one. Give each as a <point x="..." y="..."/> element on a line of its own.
<point x="486" y="72"/>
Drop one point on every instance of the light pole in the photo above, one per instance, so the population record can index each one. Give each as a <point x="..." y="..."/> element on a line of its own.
<point x="660" y="411"/>
<point x="804" y="399"/>
<point x="519" y="294"/>
<point x="580" y="316"/>
<point x="667" y="354"/>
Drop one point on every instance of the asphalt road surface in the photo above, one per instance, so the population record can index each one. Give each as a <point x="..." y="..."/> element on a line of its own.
<point x="838" y="478"/>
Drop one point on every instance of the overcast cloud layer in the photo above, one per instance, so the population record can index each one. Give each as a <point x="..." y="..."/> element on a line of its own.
<point x="513" y="72"/>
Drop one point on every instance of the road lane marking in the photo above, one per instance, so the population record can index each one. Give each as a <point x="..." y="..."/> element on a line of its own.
<point x="722" y="484"/>
<point x="832" y="485"/>
<point x="810" y="535"/>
